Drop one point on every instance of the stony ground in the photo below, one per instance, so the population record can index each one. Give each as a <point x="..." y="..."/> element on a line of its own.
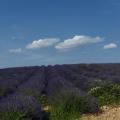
<point x="108" y="113"/>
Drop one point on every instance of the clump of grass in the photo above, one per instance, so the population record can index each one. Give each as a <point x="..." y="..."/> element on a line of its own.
<point x="68" y="105"/>
<point x="13" y="114"/>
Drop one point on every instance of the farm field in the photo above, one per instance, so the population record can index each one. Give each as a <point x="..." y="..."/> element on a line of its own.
<point x="26" y="93"/>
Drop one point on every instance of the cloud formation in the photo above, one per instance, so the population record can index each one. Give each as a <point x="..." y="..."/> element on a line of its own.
<point x="110" y="46"/>
<point x="41" y="43"/>
<point x="76" y="41"/>
<point x="18" y="50"/>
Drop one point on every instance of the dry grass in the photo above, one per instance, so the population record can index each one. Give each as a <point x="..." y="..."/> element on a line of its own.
<point x="108" y="113"/>
<point x="46" y="108"/>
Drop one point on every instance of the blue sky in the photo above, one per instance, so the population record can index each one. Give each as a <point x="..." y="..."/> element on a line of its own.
<point x="42" y="32"/>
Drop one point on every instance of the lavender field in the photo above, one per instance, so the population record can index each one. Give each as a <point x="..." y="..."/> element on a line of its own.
<point x="26" y="91"/>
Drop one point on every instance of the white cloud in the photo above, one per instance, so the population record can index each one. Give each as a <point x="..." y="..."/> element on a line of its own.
<point x="42" y="43"/>
<point x="76" y="41"/>
<point x="110" y="46"/>
<point x="18" y="50"/>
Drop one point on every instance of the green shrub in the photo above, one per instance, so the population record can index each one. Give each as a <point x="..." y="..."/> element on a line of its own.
<point x="106" y="92"/>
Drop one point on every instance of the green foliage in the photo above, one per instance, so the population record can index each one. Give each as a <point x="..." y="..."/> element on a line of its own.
<point x="42" y="99"/>
<point x="14" y="115"/>
<point x="68" y="106"/>
<point x="107" y="92"/>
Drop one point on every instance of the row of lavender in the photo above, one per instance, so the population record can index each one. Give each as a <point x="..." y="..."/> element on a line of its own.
<point x="82" y="74"/>
<point x="17" y="85"/>
<point x="10" y="79"/>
